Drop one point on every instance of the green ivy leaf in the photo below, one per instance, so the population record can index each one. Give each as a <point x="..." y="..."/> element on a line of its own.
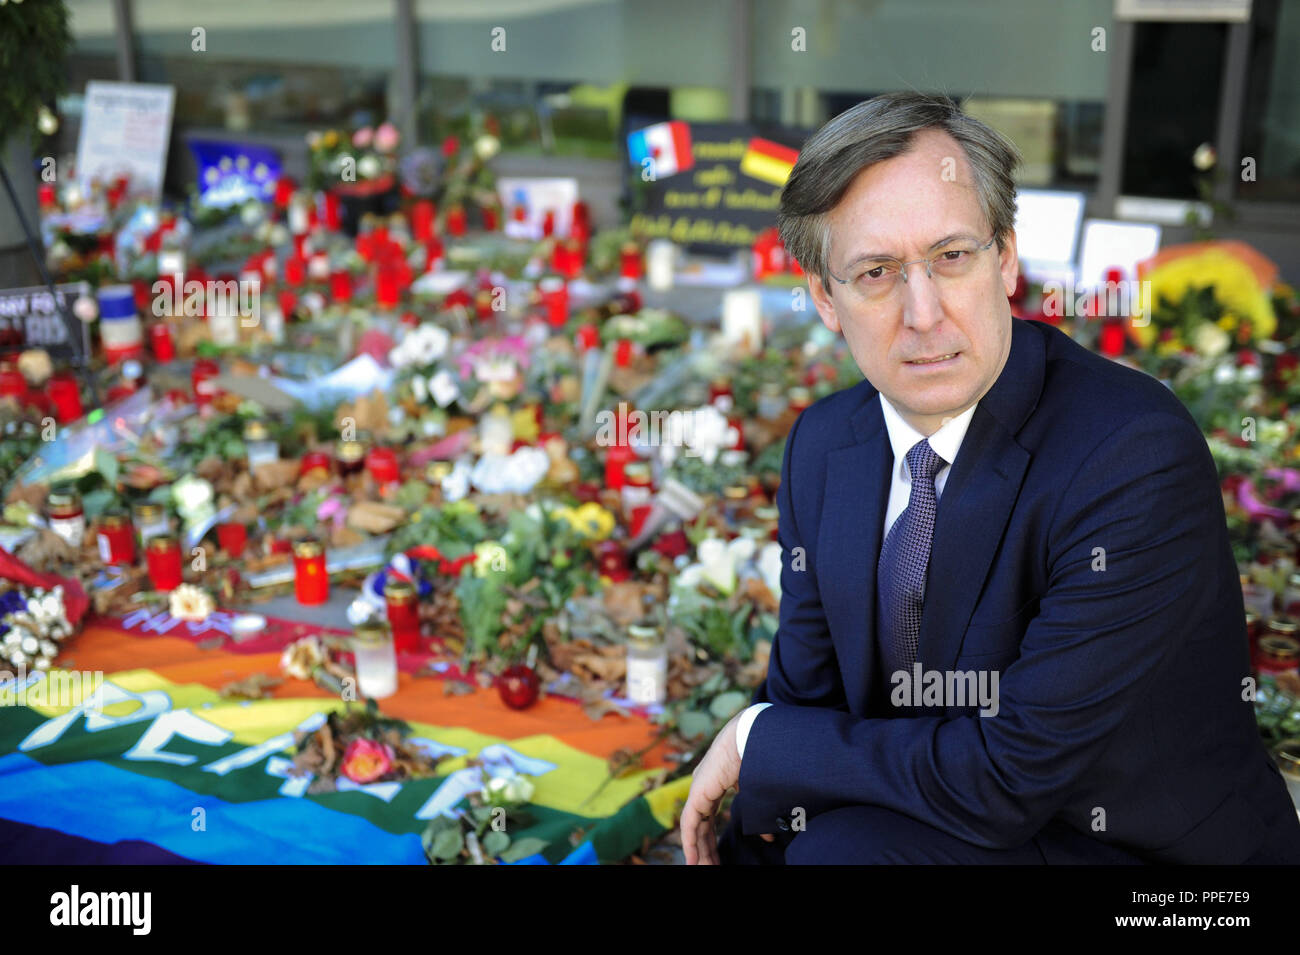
<point x="448" y="843"/>
<point x="495" y="842"/>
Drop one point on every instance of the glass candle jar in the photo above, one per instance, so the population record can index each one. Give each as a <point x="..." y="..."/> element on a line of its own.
<point x="233" y="537"/>
<point x="496" y="432"/>
<point x="400" y="599"/>
<point x="647" y="665"/>
<point x="201" y="380"/>
<point x="771" y="401"/>
<point x="66" y="515"/>
<point x="150" y="520"/>
<point x="258" y="444"/>
<point x="1286" y="756"/>
<point x="721" y="396"/>
<point x="611" y="557"/>
<point x="1277" y="655"/>
<point x="1291" y="596"/>
<point x="312" y="461"/>
<point x="1252" y="627"/>
<point x="163" y="555"/>
<point x="381" y="464"/>
<point x="349" y="457"/>
<point x="1256" y="597"/>
<point x="735" y="501"/>
<point x="311" y="583"/>
<point x="800" y="399"/>
<point x="376" y="659"/>
<point x="116" y="539"/>
<point x="638" y="495"/>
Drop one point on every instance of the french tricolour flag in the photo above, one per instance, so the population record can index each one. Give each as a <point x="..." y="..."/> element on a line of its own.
<point x="669" y="144"/>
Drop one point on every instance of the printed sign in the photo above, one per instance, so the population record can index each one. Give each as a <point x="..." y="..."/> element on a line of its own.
<point x="711" y="186"/>
<point x="30" y="318"/>
<point x="125" y="129"/>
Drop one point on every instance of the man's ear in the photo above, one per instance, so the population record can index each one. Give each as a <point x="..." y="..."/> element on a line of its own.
<point x="824" y="303"/>
<point x="1009" y="262"/>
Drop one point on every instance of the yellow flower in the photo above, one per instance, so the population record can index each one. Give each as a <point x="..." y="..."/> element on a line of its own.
<point x="1228" y="323"/>
<point x="330" y="139"/>
<point x="489" y="558"/>
<point x="594" y="522"/>
<point x="524" y="422"/>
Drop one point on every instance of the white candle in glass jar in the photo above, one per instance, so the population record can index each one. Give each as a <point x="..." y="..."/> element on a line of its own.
<point x="660" y="264"/>
<point x="376" y="660"/>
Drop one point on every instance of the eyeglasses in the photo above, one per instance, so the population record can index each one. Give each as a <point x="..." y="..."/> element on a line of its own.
<point x="875" y="280"/>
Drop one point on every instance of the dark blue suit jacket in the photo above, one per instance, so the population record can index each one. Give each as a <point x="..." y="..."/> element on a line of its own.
<point x="1123" y="713"/>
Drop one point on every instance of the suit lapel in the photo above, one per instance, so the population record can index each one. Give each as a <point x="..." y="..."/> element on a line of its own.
<point x="857" y="490"/>
<point x="977" y="500"/>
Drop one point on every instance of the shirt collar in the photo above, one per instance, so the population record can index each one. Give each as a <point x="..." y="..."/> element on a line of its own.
<point x="903" y="437"/>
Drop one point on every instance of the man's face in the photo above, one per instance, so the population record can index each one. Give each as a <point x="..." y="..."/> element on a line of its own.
<point x="900" y="208"/>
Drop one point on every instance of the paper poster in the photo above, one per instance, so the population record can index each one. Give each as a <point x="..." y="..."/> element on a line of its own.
<point x="125" y="129"/>
<point x="537" y="196"/>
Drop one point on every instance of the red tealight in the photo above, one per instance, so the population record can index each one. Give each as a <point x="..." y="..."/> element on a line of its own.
<point x="518" y="686"/>
<point x="381" y="463"/>
<point x="295" y="270"/>
<point x="423" y="214"/>
<point x="232" y="537"/>
<point x="341" y="286"/>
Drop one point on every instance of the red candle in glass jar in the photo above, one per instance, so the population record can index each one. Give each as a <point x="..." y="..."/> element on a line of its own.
<point x="555" y="296"/>
<point x="65" y="395"/>
<point x="12" y="383"/>
<point x="333" y="212"/>
<point x="313" y="460"/>
<point x="381" y="463"/>
<point x="116" y="539"/>
<point x="456" y="221"/>
<point x="311" y="583"/>
<point x="588" y="337"/>
<point x="637" y="492"/>
<point x="284" y="187"/>
<point x="160" y="337"/>
<point x="629" y="262"/>
<point x="341" y="286"/>
<point x="288" y="302"/>
<point x="433" y="252"/>
<point x="163" y="555"/>
<point x="295" y="270"/>
<point x="623" y="353"/>
<point x="422" y="216"/>
<point x="205" y="369"/>
<point x="548" y="224"/>
<point x="490" y="218"/>
<point x="403" y="609"/>
<point x="387" y="290"/>
<point x="1111" y="340"/>
<point x="232" y="537"/>
<point x="617" y="459"/>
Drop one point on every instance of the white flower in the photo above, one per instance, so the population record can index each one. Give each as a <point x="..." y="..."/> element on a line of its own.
<point x="420" y="346"/>
<point x="705" y="432"/>
<point x="456" y="484"/>
<point x="508" y="787"/>
<point x="485" y="147"/>
<point x="1210" y="340"/>
<point x="190" y="603"/>
<point x="301" y="657"/>
<point x="516" y="473"/>
<point x="419" y="389"/>
<point x="444" y="388"/>
<point x="769" y="567"/>
<point x="1205" y="157"/>
<point x="368" y="167"/>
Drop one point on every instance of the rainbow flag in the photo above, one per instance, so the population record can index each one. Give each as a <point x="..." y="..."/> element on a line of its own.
<point x="771" y="162"/>
<point x="152" y="764"/>
<point x="668" y="144"/>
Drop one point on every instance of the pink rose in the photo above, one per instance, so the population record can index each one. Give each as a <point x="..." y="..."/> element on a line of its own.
<point x="387" y="138"/>
<point x="364" y="760"/>
<point x="361" y="138"/>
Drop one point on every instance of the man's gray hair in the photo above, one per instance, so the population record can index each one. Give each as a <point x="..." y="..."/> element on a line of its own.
<point x="875" y="130"/>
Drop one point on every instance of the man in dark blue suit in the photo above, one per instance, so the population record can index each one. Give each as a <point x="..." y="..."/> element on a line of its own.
<point x="1011" y="625"/>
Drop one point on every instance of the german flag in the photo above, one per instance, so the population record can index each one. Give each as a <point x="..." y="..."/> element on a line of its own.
<point x="771" y="162"/>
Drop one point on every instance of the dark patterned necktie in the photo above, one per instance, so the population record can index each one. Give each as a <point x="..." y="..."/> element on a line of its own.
<point x="900" y="580"/>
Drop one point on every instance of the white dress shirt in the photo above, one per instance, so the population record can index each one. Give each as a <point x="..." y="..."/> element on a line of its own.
<point x="902" y="438"/>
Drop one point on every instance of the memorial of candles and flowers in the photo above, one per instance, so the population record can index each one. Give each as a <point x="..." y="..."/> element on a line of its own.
<point x="521" y="478"/>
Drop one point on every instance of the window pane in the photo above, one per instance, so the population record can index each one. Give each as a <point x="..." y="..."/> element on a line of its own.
<point x="1271" y="120"/>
